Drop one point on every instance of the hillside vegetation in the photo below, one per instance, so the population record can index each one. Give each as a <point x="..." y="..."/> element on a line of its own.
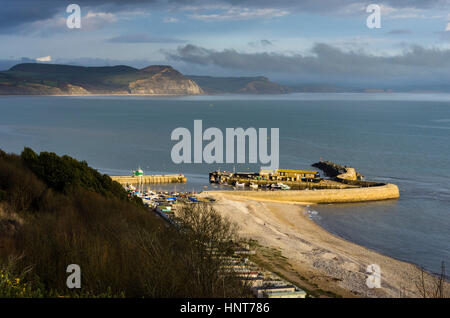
<point x="239" y="85"/>
<point x="56" y="79"/>
<point x="56" y="211"/>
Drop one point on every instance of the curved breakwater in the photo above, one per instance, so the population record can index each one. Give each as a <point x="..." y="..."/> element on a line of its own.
<point x="373" y="193"/>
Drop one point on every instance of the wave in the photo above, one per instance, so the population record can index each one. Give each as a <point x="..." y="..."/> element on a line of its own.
<point x="312" y="214"/>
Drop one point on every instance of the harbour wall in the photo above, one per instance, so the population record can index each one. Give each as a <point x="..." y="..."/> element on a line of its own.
<point x="295" y="185"/>
<point x="372" y="193"/>
<point x="170" y="178"/>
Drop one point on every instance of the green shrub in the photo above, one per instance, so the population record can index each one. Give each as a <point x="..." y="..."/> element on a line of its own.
<point x="71" y="214"/>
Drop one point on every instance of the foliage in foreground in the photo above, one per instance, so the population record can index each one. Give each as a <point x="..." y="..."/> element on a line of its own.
<point x="56" y="211"/>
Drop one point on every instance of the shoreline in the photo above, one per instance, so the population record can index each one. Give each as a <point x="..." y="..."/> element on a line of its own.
<point x="360" y="194"/>
<point x="101" y="95"/>
<point x="317" y="259"/>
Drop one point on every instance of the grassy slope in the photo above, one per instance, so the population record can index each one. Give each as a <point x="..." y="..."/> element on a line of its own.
<point x="53" y="79"/>
<point x="56" y="211"/>
<point x="216" y="85"/>
<point x="94" y="79"/>
<point x="116" y="77"/>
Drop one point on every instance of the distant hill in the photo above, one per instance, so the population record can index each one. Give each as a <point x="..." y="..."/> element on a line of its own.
<point x="54" y="79"/>
<point x="239" y="85"/>
<point x="57" y="79"/>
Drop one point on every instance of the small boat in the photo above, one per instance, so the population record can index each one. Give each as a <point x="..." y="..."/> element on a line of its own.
<point x="240" y="185"/>
<point x="138" y="172"/>
<point x="284" y="186"/>
<point x="254" y="186"/>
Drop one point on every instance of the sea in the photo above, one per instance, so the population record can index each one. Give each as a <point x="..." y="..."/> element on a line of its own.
<point x="390" y="137"/>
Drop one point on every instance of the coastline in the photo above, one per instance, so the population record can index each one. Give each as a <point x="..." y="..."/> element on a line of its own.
<point x="315" y="258"/>
<point x="100" y="95"/>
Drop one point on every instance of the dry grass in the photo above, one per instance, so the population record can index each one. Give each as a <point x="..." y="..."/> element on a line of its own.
<point x="122" y="248"/>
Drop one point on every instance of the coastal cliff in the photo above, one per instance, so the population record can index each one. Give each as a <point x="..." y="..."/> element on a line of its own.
<point x="54" y="79"/>
<point x="239" y="85"/>
<point x="164" y="80"/>
<point x="58" y="79"/>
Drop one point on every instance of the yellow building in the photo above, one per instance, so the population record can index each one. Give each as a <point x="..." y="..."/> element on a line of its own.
<point x="290" y="175"/>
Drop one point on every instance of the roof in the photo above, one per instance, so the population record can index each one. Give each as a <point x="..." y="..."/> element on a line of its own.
<point x="275" y="287"/>
<point x="297" y="171"/>
<point x="293" y="294"/>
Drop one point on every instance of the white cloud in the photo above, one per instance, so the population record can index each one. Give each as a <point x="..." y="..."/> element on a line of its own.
<point x="240" y="14"/>
<point x="386" y="9"/>
<point x="95" y="20"/>
<point x="203" y="7"/>
<point x="408" y="16"/>
<point x="406" y="13"/>
<point x="47" y="58"/>
<point x="414" y="65"/>
<point x="89" y="22"/>
<point x="170" y="20"/>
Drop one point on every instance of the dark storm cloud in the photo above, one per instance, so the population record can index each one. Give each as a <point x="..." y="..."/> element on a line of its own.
<point x="14" y="14"/>
<point x="327" y="62"/>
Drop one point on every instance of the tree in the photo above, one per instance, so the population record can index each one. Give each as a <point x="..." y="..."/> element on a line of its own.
<point x="211" y="237"/>
<point x="434" y="287"/>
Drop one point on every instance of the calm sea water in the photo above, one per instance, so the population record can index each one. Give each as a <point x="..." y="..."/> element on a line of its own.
<point x="399" y="138"/>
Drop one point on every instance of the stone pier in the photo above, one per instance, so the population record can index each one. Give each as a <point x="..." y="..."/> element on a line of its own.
<point x="169" y="178"/>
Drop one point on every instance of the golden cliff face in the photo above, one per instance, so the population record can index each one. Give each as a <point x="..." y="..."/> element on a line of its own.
<point x="40" y="89"/>
<point x="49" y="79"/>
<point x="75" y="90"/>
<point x="163" y="80"/>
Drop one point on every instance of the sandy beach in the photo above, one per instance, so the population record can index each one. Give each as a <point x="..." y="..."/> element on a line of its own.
<point x="316" y="259"/>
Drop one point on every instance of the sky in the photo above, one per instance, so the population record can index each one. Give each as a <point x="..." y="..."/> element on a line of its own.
<point x="292" y="42"/>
